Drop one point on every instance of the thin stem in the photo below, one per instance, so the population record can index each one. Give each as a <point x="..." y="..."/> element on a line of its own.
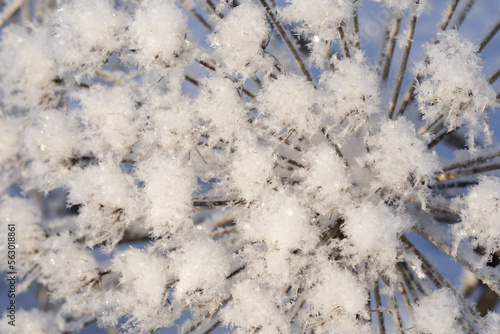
<point x="215" y="203"/>
<point x="201" y="19"/>
<point x="345" y="47"/>
<point x="10" y="11"/>
<point x="428" y="126"/>
<point x="335" y="146"/>
<point x="287" y="41"/>
<point x="465" y="12"/>
<point x="396" y="314"/>
<point x="494" y="77"/>
<point x="471" y="161"/>
<point x="413" y="283"/>
<point x="489" y="36"/>
<point x="211" y="4"/>
<point x="404" y="294"/>
<point x="356" y="28"/>
<point x="378" y="304"/>
<point x="383" y="46"/>
<point x="213" y="327"/>
<point x="437" y="128"/>
<point x="404" y="63"/>
<point x="192" y="80"/>
<point x="473" y="171"/>
<point x="390" y="48"/>
<point x="449" y="13"/>
<point x="439" y="138"/>
<point x="297" y="309"/>
<point x="26" y="11"/>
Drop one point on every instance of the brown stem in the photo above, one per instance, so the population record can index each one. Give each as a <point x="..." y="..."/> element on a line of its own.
<point x="404" y="63"/>
<point x="390" y="48"/>
<point x="489" y="36"/>
<point x="287" y="41"/>
<point x="465" y="12"/>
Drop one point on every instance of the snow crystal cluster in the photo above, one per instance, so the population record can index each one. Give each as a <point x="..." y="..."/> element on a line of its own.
<point x="249" y="178"/>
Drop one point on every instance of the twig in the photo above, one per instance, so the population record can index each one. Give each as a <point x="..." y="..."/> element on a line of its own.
<point x="201" y="19"/>
<point x="345" y="47"/>
<point x="356" y="28"/>
<point x="287" y="41"/>
<point x="465" y="12"/>
<point x="404" y="294"/>
<point x="10" y="11"/>
<point x="378" y="304"/>
<point x="404" y="63"/>
<point x="390" y="48"/>
<point x="494" y="77"/>
<point x="471" y="161"/>
<point x="192" y="80"/>
<point x="489" y="37"/>
<point x="473" y="171"/>
<point x="393" y="305"/>
<point x="449" y="14"/>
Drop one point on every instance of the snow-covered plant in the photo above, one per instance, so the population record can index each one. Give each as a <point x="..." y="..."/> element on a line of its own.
<point x="248" y="166"/>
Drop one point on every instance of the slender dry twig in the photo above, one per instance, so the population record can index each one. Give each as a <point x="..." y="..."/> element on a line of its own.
<point x="345" y="47"/>
<point x="467" y="172"/>
<point x="464" y="13"/>
<point x="390" y="48"/>
<point x="378" y="304"/>
<point x="10" y="11"/>
<point x="355" y="22"/>
<point x="287" y="41"/>
<point x="404" y="63"/>
<point x="470" y="162"/>
<point x="494" y="77"/>
<point x="448" y="15"/>
<point x="489" y="36"/>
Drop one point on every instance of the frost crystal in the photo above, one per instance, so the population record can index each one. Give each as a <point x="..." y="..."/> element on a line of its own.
<point x="455" y="100"/>
<point x="437" y="313"/>
<point x="480" y="210"/>
<point x="86" y="32"/>
<point x="157" y="33"/>
<point x="242" y="34"/>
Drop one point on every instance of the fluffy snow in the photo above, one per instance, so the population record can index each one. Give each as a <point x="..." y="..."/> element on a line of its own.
<point x="288" y="102"/>
<point x="168" y="188"/>
<point x="86" y="32"/>
<point x="462" y="99"/>
<point x="438" y="313"/>
<point x="157" y="33"/>
<point x="479" y="213"/>
<point x="399" y="156"/>
<point x="27" y="68"/>
<point x="373" y="233"/>
<point x="281" y="222"/>
<point x="109" y="117"/>
<point x="202" y="266"/>
<point x="11" y="143"/>
<point x="321" y="17"/>
<point x="241" y="35"/>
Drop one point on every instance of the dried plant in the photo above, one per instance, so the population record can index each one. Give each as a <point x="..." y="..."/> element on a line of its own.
<point x="247" y="166"/>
